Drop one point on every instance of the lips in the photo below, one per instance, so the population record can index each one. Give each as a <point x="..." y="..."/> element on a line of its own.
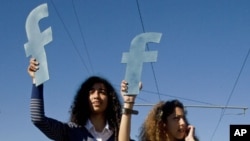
<point x="181" y="131"/>
<point x="96" y="103"/>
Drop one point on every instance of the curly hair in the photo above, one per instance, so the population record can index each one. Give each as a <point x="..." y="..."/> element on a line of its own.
<point x="154" y="127"/>
<point x="80" y="109"/>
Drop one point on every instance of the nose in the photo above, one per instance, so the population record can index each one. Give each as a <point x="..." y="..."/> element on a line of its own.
<point x="95" y="93"/>
<point x="182" y="122"/>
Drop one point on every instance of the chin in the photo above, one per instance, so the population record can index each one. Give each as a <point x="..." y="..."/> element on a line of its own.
<point x="97" y="111"/>
<point x="180" y="136"/>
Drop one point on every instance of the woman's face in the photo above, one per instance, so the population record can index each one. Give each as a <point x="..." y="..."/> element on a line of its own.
<point x="176" y="124"/>
<point x="98" y="99"/>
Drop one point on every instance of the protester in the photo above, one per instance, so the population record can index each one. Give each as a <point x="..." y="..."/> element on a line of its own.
<point x="165" y="122"/>
<point x="95" y="112"/>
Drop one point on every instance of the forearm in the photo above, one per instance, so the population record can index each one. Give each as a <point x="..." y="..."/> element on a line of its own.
<point x="37" y="104"/>
<point x="125" y="125"/>
<point x="52" y="128"/>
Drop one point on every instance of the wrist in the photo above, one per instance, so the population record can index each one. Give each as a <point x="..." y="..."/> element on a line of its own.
<point x="128" y="111"/>
<point x="128" y="104"/>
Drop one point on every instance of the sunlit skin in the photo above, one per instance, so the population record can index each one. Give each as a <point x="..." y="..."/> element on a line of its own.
<point x="98" y="99"/>
<point x="176" y="125"/>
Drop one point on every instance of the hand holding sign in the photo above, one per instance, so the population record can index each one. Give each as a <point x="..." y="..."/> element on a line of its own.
<point x="136" y="57"/>
<point x="37" y="41"/>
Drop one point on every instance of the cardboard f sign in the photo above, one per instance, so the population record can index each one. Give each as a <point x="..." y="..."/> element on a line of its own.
<point x="135" y="58"/>
<point x="37" y="41"/>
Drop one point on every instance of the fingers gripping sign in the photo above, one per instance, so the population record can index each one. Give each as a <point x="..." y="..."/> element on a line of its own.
<point x="37" y="40"/>
<point x="124" y="91"/>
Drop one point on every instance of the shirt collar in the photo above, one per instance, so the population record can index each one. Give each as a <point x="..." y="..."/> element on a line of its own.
<point x="90" y="126"/>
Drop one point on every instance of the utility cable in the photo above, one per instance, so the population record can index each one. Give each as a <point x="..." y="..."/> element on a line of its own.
<point x="82" y="36"/>
<point x="231" y="93"/>
<point x="68" y="33"/>
<point x="143" y="28"/>
<point x="178" y="97"/>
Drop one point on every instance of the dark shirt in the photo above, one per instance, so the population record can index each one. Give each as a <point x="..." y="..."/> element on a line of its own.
<point x="52" y="128"/>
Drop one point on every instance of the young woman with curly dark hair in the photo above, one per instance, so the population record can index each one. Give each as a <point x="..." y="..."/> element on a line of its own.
<point x="95" y="112"/>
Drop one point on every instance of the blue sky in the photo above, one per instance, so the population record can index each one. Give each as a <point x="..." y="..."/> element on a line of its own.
<point x="200" y="59"/>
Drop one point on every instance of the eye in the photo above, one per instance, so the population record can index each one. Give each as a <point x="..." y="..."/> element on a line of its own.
<point x="99" y="91"/>
<point x="91" y="91"/>
<point x="102" y="91"/>
<point x="176" y="118"/>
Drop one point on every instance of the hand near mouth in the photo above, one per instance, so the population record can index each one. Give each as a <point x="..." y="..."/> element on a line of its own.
<point x="190" y="135"/>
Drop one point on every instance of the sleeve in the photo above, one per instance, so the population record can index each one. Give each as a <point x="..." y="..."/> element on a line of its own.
<point x="52" y="128"/>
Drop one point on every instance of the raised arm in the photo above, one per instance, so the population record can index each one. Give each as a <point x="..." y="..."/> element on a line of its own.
<point x="53" y="129"/>
<point x="125" y="125"/>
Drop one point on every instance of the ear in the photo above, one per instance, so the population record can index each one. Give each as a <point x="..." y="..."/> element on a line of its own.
<point x="165" y="126"/>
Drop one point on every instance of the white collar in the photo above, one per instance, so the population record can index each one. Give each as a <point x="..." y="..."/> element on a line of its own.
<point x="89" y="126"/>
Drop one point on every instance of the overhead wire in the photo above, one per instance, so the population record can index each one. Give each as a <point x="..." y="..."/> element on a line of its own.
<point x="68" y="33"/>
<point x="178" y="97"/>
<point x="151" y="64"/>
<point x="231" y="93"/>
<point x="82" y="36"/>
<point x="166" y="95"/>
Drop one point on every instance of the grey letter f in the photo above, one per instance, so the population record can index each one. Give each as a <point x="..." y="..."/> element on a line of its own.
<point x="136" y="57"/>
<point x="37" y="41"/>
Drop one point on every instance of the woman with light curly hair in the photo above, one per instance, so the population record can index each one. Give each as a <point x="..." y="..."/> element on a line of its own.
<point x="167" y="122"/>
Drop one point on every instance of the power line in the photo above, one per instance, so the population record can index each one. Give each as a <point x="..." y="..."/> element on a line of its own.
<point x="143" y="29"/>
<point x="82" y="36"/>
<point x="167" y="95"/>
<point x="178" y="97"/>
<point x="207" y="107"/>
<point x="231" y="93"/>
<point x="68" y="33"/>
<point x="203" y="106"/>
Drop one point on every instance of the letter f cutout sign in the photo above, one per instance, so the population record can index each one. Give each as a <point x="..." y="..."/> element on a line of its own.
<point x="37" y="41"/>
<point x="136" y="57"/>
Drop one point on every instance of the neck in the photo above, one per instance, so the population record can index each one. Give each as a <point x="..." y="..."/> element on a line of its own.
<point x="171" y="138"/>
<point x="98" y="121"/>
